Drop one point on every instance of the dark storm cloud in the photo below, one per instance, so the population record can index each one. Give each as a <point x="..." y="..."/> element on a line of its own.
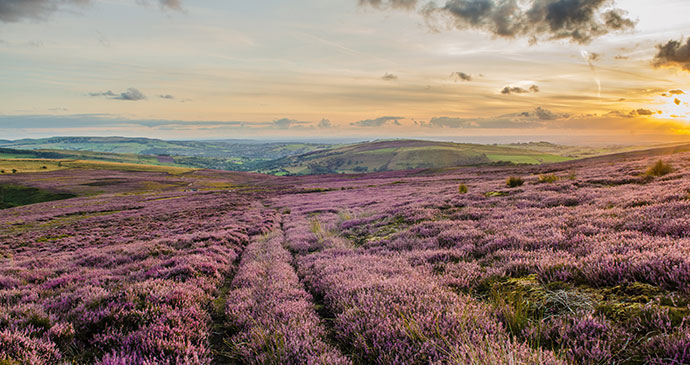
<point x="130" y="94"/>
<point x="676" y="92"/>
<point x="389" y="77"/>
<point x="577" y="20"/>
<point x="518" y="90"/>
<point x="166" y="96"/>
<point x="16" y="10"/>
<point x="673" y="53"/>
<point x="462" y="76"/>
<point x="378" y="122"/>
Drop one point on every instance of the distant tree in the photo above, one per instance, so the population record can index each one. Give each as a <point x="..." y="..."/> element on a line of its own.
<point x="44" y="167"/>
<point x="514" y="181"/>
<point x="14" y="171"/>
<point x="2" y="171"/>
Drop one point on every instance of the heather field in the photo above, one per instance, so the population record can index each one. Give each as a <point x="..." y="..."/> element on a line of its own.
<point x="581" y="262"/>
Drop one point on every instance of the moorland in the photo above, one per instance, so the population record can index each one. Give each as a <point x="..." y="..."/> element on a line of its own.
<point x="564" y="261"/>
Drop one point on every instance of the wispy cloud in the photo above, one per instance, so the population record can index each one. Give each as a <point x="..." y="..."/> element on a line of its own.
<point x="404" y="4"/>
<point x="324" y="124"/>
<point x="461" y="76"/>
<point x="378" y="122"/>
<point x="17" y="10"/>
<point x="389" y="77"/>
<point x="286" y="123"/>
<point x="130" y="94"/>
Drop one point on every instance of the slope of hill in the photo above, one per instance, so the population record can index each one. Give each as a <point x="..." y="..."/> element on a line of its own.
<point x="239" y="150"/>
<point x="403" y="155"/>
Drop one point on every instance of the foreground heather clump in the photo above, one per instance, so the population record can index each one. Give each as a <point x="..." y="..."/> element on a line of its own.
<point x="391" y="313"/>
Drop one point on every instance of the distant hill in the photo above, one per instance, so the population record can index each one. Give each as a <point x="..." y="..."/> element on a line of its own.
<point x="239" y="150"/>
<point x="402" y="155"/>
<point x="292" y="158"/>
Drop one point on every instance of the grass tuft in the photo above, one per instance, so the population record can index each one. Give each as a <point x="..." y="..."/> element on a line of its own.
<point x="660" y="168"/>
<point x="462" y="189"/>
<point x="514" y="181"/>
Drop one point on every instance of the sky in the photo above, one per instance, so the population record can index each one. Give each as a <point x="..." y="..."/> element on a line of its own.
<point x="568" y="71"/>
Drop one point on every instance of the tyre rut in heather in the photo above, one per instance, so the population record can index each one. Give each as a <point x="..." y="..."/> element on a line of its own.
<point x="272" y="319"/>
<point x="219" y="328"/>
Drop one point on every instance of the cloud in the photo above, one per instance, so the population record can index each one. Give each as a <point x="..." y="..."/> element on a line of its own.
<point x="389" y="77"/>
<point x="642" y="112"/>
<point x="17" y="10"/>
<point x="518" y="90"/>
<point x="677" y="101"/>
<point x="542" y="118"/>
<point x="286" y="123"/>
<point x="130" y="94"/>
<point x="402" y="4"/>
<point x="171" y="4"/>
<point x="325" y="124"/>
<point x="166" y="96"/>
<point x="448" y="122"/>
<point x="673" y="54"/>
<point x="579" y="21"/>
<point x="461" y="76"/>
<point x="378" y="122"/>
<point x="676" y="92"/>
<point x="545" y="114"/>
<point x="106" y="93"/>
<point x="593" y="57"/>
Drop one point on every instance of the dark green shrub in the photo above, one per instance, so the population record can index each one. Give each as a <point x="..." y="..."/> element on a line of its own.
<point x="514" y="181"/>
<point x="14" y="171"/>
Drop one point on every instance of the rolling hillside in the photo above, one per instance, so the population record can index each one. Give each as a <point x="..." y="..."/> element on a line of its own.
<point x="292" y="158"/>
<point x="237" y="150"/>
<point x="403" y="155"/>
